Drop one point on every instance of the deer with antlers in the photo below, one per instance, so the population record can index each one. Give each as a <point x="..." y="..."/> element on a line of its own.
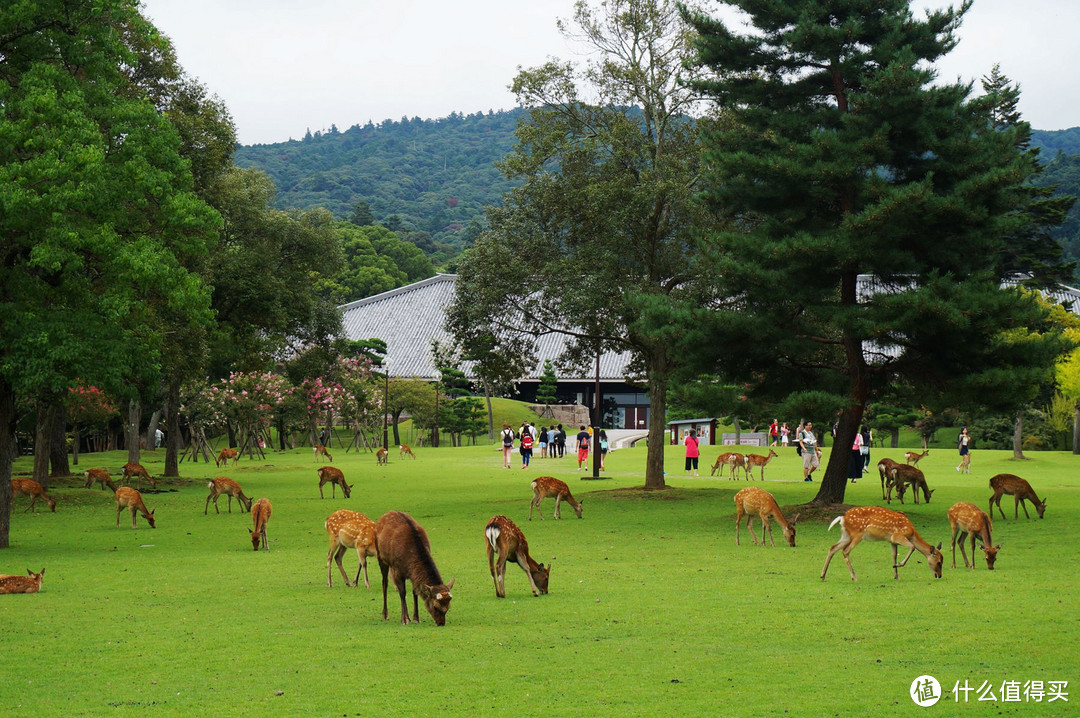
<point x="902" y="475"/>
<point x="405" y="450"/>
<point x="405" y="553"/>
<point x="759" y="461"/>
<point x="885" y="467"/>
<point x="545" y="486"/>
<point x="320" y="450"/>
<point x="260" y="514"/>
<point x="31" y="583"/>
<point x="969" y="520"/>
<point x="334" y="477"/>
<point x="881" y="524"/>
<point x="222" y="485"/>
<point x="1020" y="490"/>
<point x="99" y="475"/>
<point x="225" y="454"/>
<point x="31" y="488"/>
<point x="753" y="501"/>
<point x="912" y="458"/>
<point x="381" y="456"/>
<point x="506" y="539"/>
<point x="349" y="530"/>
<point x="130" y="499"/>
<point x="138" y="470"/>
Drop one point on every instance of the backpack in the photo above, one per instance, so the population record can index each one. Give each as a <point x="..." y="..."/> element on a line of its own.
<point x="526" y="441"/>
<point x="508" y="437"/>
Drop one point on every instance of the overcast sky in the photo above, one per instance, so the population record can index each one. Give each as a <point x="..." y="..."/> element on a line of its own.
<point x="284" y="66"/>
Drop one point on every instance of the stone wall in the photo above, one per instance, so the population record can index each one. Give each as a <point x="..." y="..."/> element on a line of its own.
<point x="566" y="414"/>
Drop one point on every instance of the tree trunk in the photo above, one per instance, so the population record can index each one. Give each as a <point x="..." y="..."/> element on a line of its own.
<point x="834" y="482"/>
<point x="173" y="440"/>
<point x="151" y="430"/>
<point x="58" y="453"/>
<point x="131" y="430"/>
<point x="42" y="437"/>
<point x="1018" y="437"/>
<point x="7" y="457"/>
<point x="491" y="412"/>
<point x="1076" y="428"/>
<point x="738" y="431"/>
<point x="75" y="439"/>
<point x="654" y="460"/>
<point x="894" y="438"/>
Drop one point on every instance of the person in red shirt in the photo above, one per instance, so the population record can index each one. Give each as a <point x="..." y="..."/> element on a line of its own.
<point x="582" y="447"/>
<point x="692" y="453"/>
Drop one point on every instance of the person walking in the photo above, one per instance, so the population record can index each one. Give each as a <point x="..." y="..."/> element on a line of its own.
<point x="808" y="448"/>
<point x="774" y="433"/>
<point x="507" y="444"/>
<point x="963" y="444"/>
<point x="867" y="440"/>
<point x="692" y="452"/>
<point x="855" y="463"/>
<point x="543" y="442"/>
<point x="582" y="447"/>
<point x="785" y="434"/>
<point x="603" y="449"/>
<point x="526" y="446"/>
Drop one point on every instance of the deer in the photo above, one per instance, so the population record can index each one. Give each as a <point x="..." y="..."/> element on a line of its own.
<point x="31" y="488"/>
<point x="328" y="474"/>
<point x="99" y="475"/>
<point x="130" y="499"/>
<point x="260" y="514"/>
<point x="912" y="459"/>
<point x="380" y="456"/>
<point x="222" y="485"/>
<point x="902" y="474"/>
<point x="225" y="454"/>
<point x="753" y="501"/>
<point x="546" y="486"/>
<point x="31" y="583"/>
<point x="132" y="469"/>
<point x="349" y="529"/>
<point x="320" y="450"/>
<point x="1020" y="490"/>
<point x="404" y="551"/>
<point x="760" y="461"/>
<point x="969" y="520"/>
<point x="735" y="461"/>
<point x="721" y="461"/>
<point x="506" y="539"/>
<point x="405" y="450"/>
<point x="885" y="467"/>
<point x="878" y="523"/>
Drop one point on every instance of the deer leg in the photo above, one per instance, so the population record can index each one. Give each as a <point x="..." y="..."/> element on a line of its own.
<point x="1019" y="500"/>
<point x="523" y="562"/>
<point x="558" y="514"/>
<point x="133" y="513"/>
<point x="230" y="502"/>
<point x="339" y="552"/>
<point x="738" y="520"/>
<point x="841" y="544"/>
<point x="491" y="566"/>
<point x="768" y="526"/>
<point x="206" y="507"/>
<point x="119" y="508"/>
<point x="904" y="562"/>
<point x="363" y="565"/>
<point x="963" y="540"/>
<point x="415" y="604"/>
<point x="34" y="498"/>
<point x="500" y="576"/>
<point x="385" y="568"/>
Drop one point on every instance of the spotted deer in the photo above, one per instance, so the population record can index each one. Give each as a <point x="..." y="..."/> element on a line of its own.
<point x="885" y="467"/>
<point x="969" y="520"/>
<point x="506" y="539"/>
<point x="753" y="501"/>
<point x="349" y="530"/>
<point x="31" y="583"/>
<point x="99" y="475"/>
<point x="878" y="523"/>
<point x="225" y="454"/>
<point x="759" y="461"/>
<point x="546" y="486"/>
<point x="320" y="450"/>
<point x="902" y="475"/>
<point x="130" y="499"/>
<point x="1020" y="490"/>
<point x="405" y="450"/>
<point x="912" y="458"/>
<point x="737" y="461"/>
<point x="334" y="477"/>
<point x="260" y="514"/>
<point x="222" y="485"/>
<point x="31" y="488"/>
<point x="138" y="470"/>
<point x="380" y="456"/>
<point x="404" y="553"/>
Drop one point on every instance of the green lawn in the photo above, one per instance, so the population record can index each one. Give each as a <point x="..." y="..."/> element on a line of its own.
<point x="653" y="610"/>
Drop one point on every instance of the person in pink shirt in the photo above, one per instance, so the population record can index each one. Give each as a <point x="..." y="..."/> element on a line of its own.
<point x="692" y="453"/>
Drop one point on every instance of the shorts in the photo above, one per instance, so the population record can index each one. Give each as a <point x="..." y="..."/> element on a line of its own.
<point x="582" y="454"/>
<point x="810" y="459"/>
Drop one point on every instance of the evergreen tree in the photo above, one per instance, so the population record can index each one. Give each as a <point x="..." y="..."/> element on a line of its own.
<point x="545" y="393"/>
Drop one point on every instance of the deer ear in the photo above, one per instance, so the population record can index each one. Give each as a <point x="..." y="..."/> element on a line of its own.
<point x="939" y="546"/>
<point x="152" y="512"/>
<point x="251" y="532"/>
<point x="998" y="547"/>
<point x="451" y="584"/>
<point x="795" y="520"/>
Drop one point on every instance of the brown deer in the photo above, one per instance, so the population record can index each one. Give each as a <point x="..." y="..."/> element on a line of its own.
<point x="349" y="529"/>
<point x="902" y="475"/>
<point x="753" y="501"/>
<point x="885" y="467"/>
<point x="405" y="450"/>
<point x="320" y="450"/>
<point x="404" y="551"/>
<point x="31" y="488"/>
<point x="969" y="520"/>
<point x="721" y="461"/>
<point x="878" y="523"/>
<point x="913" y="459"/>
<point x="225" y="454"/>
<point x="737" y="461"/>
<point x="132" y="469"/>
<point x="759" y="461"/>
<point x="546" y="486"/>
<point x="99" y="475"/>
<point x="260" y="514"/>
<point x="1020" y="490"/>
<point x="334" y="477"/>
<point x="31" y="583"/>
<point x="222" y="485"/>
<point x="380" y="456"/>
<point x="130" y="499"/>
<point x="506" y="539"/>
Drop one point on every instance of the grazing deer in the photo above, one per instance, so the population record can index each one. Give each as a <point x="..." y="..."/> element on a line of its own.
<point x="405" y="450"/>
<point x="753" y="501"/>
<point x="969" y="520"/>
<point x="902" y="475"/>
<point x="759" y="461"/>
<point x="881" y="524"/>
<point x="885" y="467"/>
<point x="31" y="583"/>
<point x="130" y="499"/>
<point x="721" y="461"/>
<point x="133" y="469"/>
<point x="222" y="485"/>
<point x="31" y="488"/>
<point x="404" y="551"/>
<point x="913" y="459"/>
<point x="225" y="454"/>
<point x="260" y="514"/>
<point x="546" y="486"/>
<point x="334" y="477"/>
<point x="1020" y="490"/>
<point x="349" y="529"/>
<point x="505" y="538"/>
<point x="380" y="456"/>
<point x="99" y="475"/>
<point x="320" y="450"/>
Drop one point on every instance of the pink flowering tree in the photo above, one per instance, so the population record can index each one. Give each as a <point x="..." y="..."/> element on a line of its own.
<point x="248" y="401"/>
<point x="88" y="407"/>
<point x="325" y="398"/>
<point x="364" y="405"/>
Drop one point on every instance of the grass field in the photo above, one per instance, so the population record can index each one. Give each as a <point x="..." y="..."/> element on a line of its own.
<point x="653" y="609"/>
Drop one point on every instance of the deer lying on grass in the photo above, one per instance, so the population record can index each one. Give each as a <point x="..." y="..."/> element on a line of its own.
<point x="225" y="454"/>
<point x="334" y="477"/>
<point x="99" y="475"/>
<point x="132" y="469"/>
<point x="260" y="514"/>
<point x="885" y="467"/>
<point x="380" y="456"/>
<point x="31" y="583"/>
<point x="902" y="475"/>
<point x="753" y="501"/>
<point x="969" y="520"/>
<point x="349" y="529"/>
<point x="913" y="459"/>
<point x="130" y="499"/>
<point x="1020" y="490"/>
<point x="222" y="485"/>
<point x="505" y="538"/>
<point x="404" y="551"/>
<point x="878" y="523"/>
<point x="405" y="450"/>
<point x="759" y="461"/>
<point x="546" y="486"/>
<point x="31" y="488"/>
<point x="320" y="450"/>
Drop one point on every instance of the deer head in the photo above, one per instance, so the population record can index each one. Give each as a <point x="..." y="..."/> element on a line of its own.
<point x="789" y="532"/>
<point x="150" y="519"/>
<point x="991" y="555"/>
<point x="254" y="539"/>
<point x="936" y="560"/>
<point x="1041" y="508"/>
<point x="577" y="509"/>
<point x="437" y="601"/>
<point x="541" y="577"/>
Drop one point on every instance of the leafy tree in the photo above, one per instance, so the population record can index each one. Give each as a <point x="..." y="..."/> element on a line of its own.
<point x="843" y="159"/>
<point x="361" y="214"/>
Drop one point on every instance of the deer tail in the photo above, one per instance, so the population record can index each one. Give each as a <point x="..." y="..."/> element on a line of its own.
<point x="837" y="520"/>
<point x="492" y="532"/>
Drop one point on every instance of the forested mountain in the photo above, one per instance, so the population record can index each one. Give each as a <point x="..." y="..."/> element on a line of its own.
<point x="1053" y="141"/>
<point x="425" y="179"/>
<point x="1063" y="170"/>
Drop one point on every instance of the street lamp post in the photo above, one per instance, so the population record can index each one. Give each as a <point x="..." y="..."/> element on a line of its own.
<point x="386" y="408"/>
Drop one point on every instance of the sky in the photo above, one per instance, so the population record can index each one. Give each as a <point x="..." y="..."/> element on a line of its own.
<point x="285" y="66"/>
